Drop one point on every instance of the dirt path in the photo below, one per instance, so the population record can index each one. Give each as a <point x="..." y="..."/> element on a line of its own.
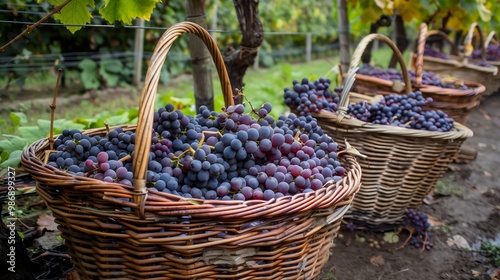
<point x="472" y="211"/>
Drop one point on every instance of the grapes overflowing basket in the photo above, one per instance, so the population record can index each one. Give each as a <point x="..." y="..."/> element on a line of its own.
<point x="124" y="228"/>
<point x="457" y="65"/>
<point x="454" y="97"/>
<point x="402" y="155"/>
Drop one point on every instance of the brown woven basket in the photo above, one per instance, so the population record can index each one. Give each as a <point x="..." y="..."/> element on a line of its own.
<point x="402" y="164"/>
<point x="457" y="65"/>
<point x="490" y="39"/>
<point x="117" y="231"/>
<point x="456" y="103"/>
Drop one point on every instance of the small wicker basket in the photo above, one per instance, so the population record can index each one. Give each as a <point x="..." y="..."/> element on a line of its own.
<point x="165" y="236"/>
<point x="457" y="66"/>
<point x="457" y="103"/>
<point x="402" y="164"/>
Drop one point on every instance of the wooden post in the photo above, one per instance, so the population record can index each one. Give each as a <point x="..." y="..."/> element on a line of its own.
<point x="345" y="56"/>
<point x="213" y="24"/>
<point x="138" y="51"/>
<point x="308" y="46"/>
<point x="200" y="57"/>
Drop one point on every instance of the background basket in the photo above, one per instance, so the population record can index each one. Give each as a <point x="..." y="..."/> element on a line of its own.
<point x="457" y="103"/>
<point x="402" y="165"/>
<point x="456" y="66"/>
<point x="117" y="231"/>
<point x="490" y="39"/>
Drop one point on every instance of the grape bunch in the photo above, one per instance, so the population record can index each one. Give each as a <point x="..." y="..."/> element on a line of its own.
<point x="492" y="53"/>
<point x="306" y="97"/>
<point x="428" y="77"/>
<point x="402" y="111"/>
<point x="398" y="110"/>
<point x="418" y="224"/>
<point x="433" y="52"/>
<point x="230" y="155"/>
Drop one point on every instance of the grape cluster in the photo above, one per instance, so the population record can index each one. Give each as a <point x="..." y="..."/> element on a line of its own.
<point x="402" y="111"/>
<point x="228" y="155"/>
<point x="95" y="156"/>
<point x="433" y="52"/>
<point x="398" y="110"/>
<point x="419" y="228"/>
<point x="492" y="53"/>
<point x="307" y="97"/>
<point x="428" y="77"/>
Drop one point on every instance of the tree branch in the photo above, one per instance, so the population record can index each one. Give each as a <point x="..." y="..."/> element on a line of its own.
<point x="33" y="26"/>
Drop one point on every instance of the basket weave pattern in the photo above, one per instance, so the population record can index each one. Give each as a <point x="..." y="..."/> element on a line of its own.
<point x="116" y="231"/>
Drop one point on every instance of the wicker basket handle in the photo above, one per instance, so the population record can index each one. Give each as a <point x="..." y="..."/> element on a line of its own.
<point x="423" y="34"/>
<point x="491" y="39"/>
<point x="360" y="49"/>
<point x="146" y="105"/>
<point x="354" y="66"/>
<point x="468" y="41"/>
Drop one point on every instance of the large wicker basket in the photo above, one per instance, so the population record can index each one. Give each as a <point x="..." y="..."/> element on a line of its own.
<point x="457" y="66"/>
<point x="116" y="231"/>
<point x="457" y="103"/>
<point x="402" y="164"/>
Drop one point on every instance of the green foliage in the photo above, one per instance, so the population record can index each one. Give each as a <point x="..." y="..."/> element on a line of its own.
<point x="126" y="10"/>
<point x="491" y="251"/>
<point x="446" y="186"/>
<point x="75" y="12"/>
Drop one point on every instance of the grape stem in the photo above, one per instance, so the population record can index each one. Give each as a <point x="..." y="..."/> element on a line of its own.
<point x="240" y="93"/>
<point x="425" y="242"/>
<point x="411" y="231"/>
<point x="106" y="124"/>
<point x="52" y="113"/>
<point x="33" y="26"/>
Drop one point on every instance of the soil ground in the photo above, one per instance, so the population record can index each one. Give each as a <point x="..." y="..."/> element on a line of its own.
<point x="470" y="208"/>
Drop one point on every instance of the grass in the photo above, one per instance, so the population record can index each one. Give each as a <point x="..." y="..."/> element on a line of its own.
<point x="261" y="85"/>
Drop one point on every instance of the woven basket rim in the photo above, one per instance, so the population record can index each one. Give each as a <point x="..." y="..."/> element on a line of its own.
<point x="474" y="88"/>
<point x="332" y="192"/>
<point x="459" y="132"/>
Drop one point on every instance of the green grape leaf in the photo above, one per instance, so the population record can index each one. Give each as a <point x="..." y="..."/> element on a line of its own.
<point x="89" y="75"/>
<point x="32" y="133"/>
<point x="18" y="118"/>
<point x="75" y="12"/>
<point x="13" y="160"/>
<point x="127" y="10"/>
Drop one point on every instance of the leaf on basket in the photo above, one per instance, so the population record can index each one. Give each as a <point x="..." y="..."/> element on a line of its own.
<point x="46" y="222"/>
<point x="397" y="86"/>
<point x="376" y="99"/>
<point x="194" y="202"/>
<point x="352" y="151"/>
<point x="377" y="260"/>
<point x="459" y="241"/>
<point x="391" y="237"/>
